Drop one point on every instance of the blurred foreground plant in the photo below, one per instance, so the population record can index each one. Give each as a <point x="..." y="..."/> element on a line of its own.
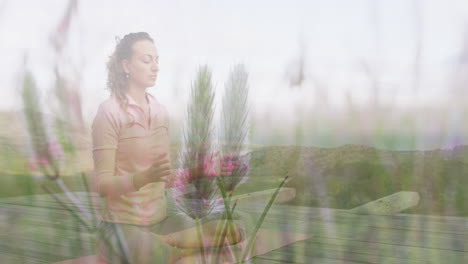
<point x="196" y="193"/>
<point x="47" y="154"/>
<point x="206" y="179"/>
<point x="234" y="130"/>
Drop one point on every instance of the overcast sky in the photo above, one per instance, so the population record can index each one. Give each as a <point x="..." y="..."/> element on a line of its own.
<point x="338" y="39"/>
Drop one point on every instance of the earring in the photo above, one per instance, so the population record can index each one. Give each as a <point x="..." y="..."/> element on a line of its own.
<point x="127" y="75"/>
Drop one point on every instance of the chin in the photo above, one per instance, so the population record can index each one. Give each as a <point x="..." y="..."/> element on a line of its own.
<point x="150" y="83"/>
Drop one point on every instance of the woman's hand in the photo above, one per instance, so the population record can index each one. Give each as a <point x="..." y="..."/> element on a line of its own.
<point x="160" y="171"/>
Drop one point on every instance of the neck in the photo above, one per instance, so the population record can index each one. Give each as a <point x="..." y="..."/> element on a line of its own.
<point x="138" y="94"/>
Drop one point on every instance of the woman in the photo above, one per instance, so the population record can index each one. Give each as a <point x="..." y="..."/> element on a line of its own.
<point x="132" y="165"/>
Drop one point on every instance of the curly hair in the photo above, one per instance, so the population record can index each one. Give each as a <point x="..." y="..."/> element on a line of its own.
<point x="117" y="82"/>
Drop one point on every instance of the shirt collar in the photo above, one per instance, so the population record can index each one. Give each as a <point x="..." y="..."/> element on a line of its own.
<point x="151" y="99"/>
<point x="138" y="115"/>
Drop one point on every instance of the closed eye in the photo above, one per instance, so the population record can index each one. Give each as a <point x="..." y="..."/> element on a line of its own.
<point x="147" y="59"/>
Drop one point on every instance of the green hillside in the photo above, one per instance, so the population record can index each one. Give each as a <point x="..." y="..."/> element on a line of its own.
<point x="350" y="175"/>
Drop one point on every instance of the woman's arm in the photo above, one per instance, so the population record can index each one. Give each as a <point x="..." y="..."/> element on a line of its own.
<point x="105" y="140"/>
<point x="108" y="184"/>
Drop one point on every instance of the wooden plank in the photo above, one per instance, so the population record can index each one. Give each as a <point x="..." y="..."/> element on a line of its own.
<point x="362" y="226"/>
<point x="44" y="234"/>
<point x="8" y="258"/>
<point x="338" y="236"/>
<point x="92" y="259"/>
<point x="356" y="253"/>
<point x="336" y="257"/>
<point x="389" y="205"/>
<point x="329" y="248"/>
<point x="376" y="235"/>
<point x="286" y="258"/>
<point x="48" y="243"/>
<point x="40" y="216"/>
<point x="298" y="222"/>
<point x="406" y="221"/>
<point x="263" y="197"/>
<point x="398" y="233"/>
<point x="419" y="222"/>
<point x="458" y="225"/>
<point x="48" y="201"/>
<point x="355" y="231"/>
<point x="23" y="255"/>
<point x="370" y="251"/>
<point x="34" y="216"/>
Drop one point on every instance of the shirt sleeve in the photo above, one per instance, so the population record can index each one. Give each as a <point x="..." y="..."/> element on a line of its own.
<point x="105" y="141"/>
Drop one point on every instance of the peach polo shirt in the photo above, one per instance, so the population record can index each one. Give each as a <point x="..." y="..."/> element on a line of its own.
<point x="124" y="142"/>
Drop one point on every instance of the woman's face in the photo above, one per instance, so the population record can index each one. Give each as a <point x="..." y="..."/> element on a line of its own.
<point x="143" y="65"/>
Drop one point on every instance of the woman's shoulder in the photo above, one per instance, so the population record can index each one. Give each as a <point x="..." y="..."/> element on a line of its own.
<point x="110" y="106"/>
<point x="108" y="109"/>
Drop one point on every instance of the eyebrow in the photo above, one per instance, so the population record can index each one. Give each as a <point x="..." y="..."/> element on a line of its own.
<point x="151" y="56"/>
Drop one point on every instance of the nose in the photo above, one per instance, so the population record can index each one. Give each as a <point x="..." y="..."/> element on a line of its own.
<point x="154" y="67"/>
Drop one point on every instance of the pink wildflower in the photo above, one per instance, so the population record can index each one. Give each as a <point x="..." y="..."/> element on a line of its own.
<point x="180" y="180"/>
<point x="180" y="187"/>
<point x="209" y="168"/>
<point x="43" y="161"/>
<point x="32" y="164"/>
<point x="226" y="158"/>
<point x="35" y="162"/>
<point x="55" y="150"/>
<point x="187" y="175"/>
<point x="230" y="165"/>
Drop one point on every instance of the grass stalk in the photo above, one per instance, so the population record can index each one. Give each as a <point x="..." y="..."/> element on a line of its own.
<point x="262" y="218"/>
<point x="200" y="239"/>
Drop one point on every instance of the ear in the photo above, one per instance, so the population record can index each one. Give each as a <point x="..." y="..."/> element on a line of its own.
<point x="126" y="66"/>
